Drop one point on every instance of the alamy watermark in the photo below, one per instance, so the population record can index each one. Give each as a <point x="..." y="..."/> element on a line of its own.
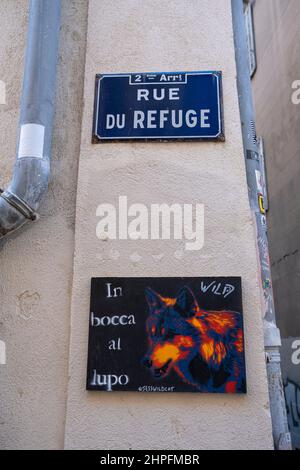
<point x="2" y="92"/>
<point x="154" y="222"/>
<point x="295" y="97"/>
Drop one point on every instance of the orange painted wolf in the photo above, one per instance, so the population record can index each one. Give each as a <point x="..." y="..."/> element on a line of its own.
<point x="205" y="348"/>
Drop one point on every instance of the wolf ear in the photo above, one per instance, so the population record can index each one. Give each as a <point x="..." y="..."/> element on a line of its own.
<point x="154" y="300"/>
<point x="186" y="303"/>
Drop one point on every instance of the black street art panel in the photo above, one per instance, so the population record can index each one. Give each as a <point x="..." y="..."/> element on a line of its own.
<point x="166" y="335"/>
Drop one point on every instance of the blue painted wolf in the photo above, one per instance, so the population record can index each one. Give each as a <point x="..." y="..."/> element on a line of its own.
<point x="205" y="348"/>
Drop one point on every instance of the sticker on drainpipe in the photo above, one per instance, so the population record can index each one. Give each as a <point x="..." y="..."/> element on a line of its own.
<point x="31" y="142"/>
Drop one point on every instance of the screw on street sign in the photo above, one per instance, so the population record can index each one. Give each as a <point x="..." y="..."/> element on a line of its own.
<point x="159" y="106"/>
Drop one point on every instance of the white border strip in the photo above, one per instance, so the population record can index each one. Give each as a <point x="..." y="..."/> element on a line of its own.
<point x="160" y="137"/>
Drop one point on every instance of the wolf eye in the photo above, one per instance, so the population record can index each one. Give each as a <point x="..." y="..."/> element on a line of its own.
<point x="163" y="330"/>
<point x="153" y="329"/>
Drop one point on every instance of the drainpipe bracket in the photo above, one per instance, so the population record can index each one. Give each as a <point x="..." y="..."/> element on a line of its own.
<point x="272" y="337"/>
<point x="273" y="357"/>
<point x="19" y="204"/>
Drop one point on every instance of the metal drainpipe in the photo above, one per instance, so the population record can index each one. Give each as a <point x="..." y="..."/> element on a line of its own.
<point x="19" y="203"/>
<point x="281" y="435"/>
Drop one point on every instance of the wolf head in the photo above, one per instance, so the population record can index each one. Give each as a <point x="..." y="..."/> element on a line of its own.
<point x="205" y="348"/>
<point x="171" y="336"/>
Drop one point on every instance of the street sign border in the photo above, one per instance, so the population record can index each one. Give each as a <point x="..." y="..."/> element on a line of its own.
<point x="220" y="137"/>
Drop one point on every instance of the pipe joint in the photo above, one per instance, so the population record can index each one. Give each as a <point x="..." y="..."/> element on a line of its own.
<point x="19" y="204"/>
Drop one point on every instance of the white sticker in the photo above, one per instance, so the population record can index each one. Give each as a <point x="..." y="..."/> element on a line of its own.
<point x="259" y="181"/>
<point x="31" y="141"/>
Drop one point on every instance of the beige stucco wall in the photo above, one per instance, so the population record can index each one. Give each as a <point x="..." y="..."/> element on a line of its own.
<point x="36" y="263"/>
<point x="150" y="35"/>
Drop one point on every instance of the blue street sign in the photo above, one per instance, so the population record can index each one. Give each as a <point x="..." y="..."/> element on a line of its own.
<point x="161" y="106"/>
